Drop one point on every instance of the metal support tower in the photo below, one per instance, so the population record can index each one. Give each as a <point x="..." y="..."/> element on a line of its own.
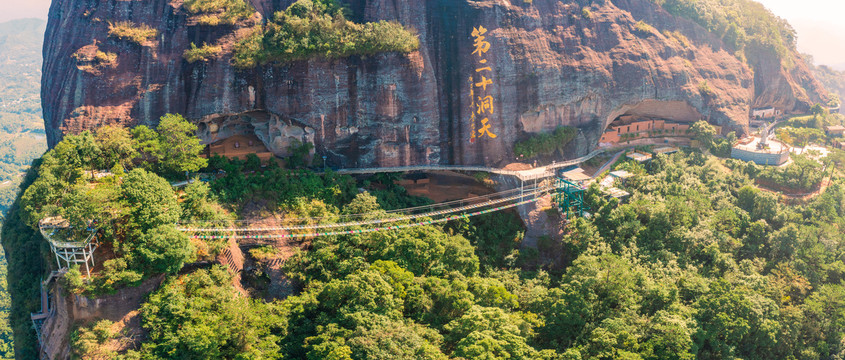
<point x="569" y="197"/>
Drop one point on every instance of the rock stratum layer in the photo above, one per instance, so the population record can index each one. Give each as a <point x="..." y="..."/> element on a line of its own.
<point x="551" y="64"/>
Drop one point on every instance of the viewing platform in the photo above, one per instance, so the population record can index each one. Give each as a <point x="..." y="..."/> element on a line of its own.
<point x="70" y="245"/>
<point x="772" y="152"/>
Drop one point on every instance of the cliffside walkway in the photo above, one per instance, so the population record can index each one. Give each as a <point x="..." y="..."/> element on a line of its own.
<point x="45" y="312"/>
<point x="540" y="172"/>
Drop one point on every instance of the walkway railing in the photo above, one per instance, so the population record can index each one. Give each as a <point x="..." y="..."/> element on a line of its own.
<point x="530" y="174"/>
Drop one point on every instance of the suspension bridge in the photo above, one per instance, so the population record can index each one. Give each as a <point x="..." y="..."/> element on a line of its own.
<point x="402" y="219"/>
<point x="568" y="196"/>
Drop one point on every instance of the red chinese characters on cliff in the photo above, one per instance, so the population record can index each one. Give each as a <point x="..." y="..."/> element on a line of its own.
<point x="481" y="104"/>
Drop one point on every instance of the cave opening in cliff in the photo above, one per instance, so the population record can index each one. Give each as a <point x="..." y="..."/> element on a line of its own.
<point x="649" y="118"/>
<point x="256" y="132"/>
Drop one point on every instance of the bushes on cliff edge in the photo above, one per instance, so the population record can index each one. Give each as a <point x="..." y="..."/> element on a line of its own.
<point x="202" y="53"/>
<point x="744" y="25"/>
<point x="129" y="31"/>
<point x="545" y="144"/>
<point x="217" y="12"/>
<point x="643" y="29"/>
<point x="135" y="210"/>
<point x="319" y="28"/>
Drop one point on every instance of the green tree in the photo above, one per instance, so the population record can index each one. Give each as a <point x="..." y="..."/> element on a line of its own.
<point x="670" y="336"/>
<point x="84" y="205"/>
<point x="735" y="322"/>
<point x="186" y="317"/>
<point x="425" y="250"/>
<point x="488" y="333"/>
<point x="91" y="342"/>
<point x="818" y="109"/>
<point x="162" y="249"/>
<point x="150" y="200"/>
<point x="87" y="149"/>
<point x="373" y="336"/>
<point x="179" y="149"/>
<point x="146" y="142"/>
<point x="704" y="133"/>
<point x="197" y="203"/>
<point x="116" y="145"/>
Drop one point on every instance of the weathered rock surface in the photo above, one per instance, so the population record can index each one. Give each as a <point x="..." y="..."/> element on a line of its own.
<point x="550" y="65"/>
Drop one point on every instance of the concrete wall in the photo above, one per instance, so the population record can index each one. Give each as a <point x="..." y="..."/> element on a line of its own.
<point x="760" y="157"/>
<point x="614" y="133"/>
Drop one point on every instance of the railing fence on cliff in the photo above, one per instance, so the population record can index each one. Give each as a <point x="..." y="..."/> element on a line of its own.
<point x="521" y="174"/>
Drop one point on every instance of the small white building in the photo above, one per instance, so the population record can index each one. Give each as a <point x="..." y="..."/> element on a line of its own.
<point x="765" y="113"/>
<point x="835" y="130"/>
<point x="639" y="156"/>
<point x="576" y="175"/>
<point x="666" y="150"/>
<point x="621" y="174"/>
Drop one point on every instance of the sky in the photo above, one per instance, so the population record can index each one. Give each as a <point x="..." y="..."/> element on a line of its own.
<point x="820" y="23"/>
<point x="19" y="9"/>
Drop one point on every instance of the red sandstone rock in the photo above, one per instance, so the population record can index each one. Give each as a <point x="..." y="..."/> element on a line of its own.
<point x="550" y="66"/>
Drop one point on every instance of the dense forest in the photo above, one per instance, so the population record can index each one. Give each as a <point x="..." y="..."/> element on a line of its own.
<point x="699" y="262"/>
<point x="21" y="129"/>
<point x="706" y="259"/>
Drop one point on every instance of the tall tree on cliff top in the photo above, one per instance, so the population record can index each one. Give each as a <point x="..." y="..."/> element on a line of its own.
<point x="179" y="149"/>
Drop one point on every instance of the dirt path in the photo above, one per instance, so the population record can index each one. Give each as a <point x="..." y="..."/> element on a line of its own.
<point x="800" y="196"/>
<point x="607" y="165"/>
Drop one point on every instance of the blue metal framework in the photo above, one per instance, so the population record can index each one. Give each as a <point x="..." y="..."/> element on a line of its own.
<point x="569" y="197"/>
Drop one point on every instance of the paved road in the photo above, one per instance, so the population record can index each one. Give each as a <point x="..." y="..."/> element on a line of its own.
<point x="609" y="163"/>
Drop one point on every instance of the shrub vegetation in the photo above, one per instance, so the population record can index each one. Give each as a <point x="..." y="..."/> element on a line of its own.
<point x="693" y="246"/>
<point x="643" y="29"/>
<point x="744" y="25"/>
<point x="218" y="12"/>
<point x="203" y="53"/>
<point x="319" y="28"/>
<point x="136" y="210"/>
<point x="696" y="264"/>
<point x="545" y="143"/>
<point x="129" y="31"/>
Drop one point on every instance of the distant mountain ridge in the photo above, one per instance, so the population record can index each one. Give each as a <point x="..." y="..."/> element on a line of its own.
<point x="832" y="77"/>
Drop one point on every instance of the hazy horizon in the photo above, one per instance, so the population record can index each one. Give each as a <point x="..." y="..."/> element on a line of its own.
<point x="821" y="31"/>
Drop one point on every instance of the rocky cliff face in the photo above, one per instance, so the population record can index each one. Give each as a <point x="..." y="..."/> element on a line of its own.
<point x="551" y="63"/>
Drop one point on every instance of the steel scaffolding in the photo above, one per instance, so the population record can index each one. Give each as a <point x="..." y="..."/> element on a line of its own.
<point x="569" y="197"/>
<point x="70" y="246"/>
